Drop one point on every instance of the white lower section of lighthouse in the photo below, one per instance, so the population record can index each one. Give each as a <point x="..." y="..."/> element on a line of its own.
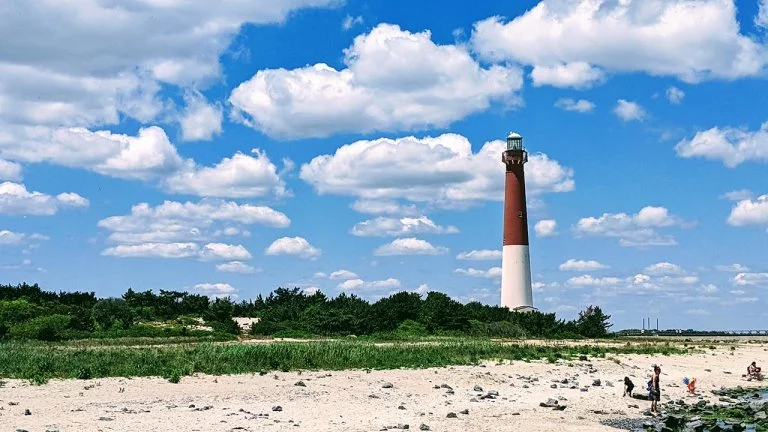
<point x="516" y="289"/>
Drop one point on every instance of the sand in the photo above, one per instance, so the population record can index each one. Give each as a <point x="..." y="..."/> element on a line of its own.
<point x="356" y="400"/>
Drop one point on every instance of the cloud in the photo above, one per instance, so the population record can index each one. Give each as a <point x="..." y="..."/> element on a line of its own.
<point x="738" y="195"/>
<point x="409" y="246"/>
<point x="148" y="156"/>
<point x="359" y="284"/>
<point x="174" y="221"/>
<point x="493" y="272"/>
<point x="241" y="176"/>
<point x="383" y="207"/>
<point x="581" y="106"/>
<point x="578" y="75"/>
<point x="10" y="171"/>
<point x="761" y="20"/>
<point x="624" y="37"/>
<point x="629" y="111"/>
<point x="664" y="269"/>
<point x="10" y="238"/>
<point x="15" y="199"/>
<point x="638" y="230"/>
<point x="201" y="120"/>
<point x="394" y="80"/>
<point x="480" y="255"/>
<point x="406" y="226"/>
<point x="675" y="95"/>
<point x="350" y="21"/>
<point x="80" y="72"/>
<point x="735" y="268"/>
<point x="591" y="281"/>
<point x="750" y="212"/>
<point x="236" y="267"/>
<point x="209" y="252"/>
<point x="751" y="279"/>
<point x="582" y="265"/>
<point x="343" y="275"/>
<point x="709" y="288"/>
<point x="431" y="170"/>
<point x="216" y="290"/>
<point x="297" y="246"/>
<point x="545" y="228"/>
<point x="700" y="312"/>
<point x="731" y="146"/>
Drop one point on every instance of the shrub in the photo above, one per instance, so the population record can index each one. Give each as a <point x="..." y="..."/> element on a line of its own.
<point x="84" y="373"/>
<point x="292" y="334"/>
<point x="45" y="328"/>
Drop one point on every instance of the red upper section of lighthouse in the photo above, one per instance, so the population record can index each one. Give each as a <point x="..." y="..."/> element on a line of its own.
<point x="515" y="210"/>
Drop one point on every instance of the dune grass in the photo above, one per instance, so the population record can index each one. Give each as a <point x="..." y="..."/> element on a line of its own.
<point x="40" y="362"/>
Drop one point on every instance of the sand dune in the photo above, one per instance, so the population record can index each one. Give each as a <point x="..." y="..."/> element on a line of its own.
<point x="358" y="401"/>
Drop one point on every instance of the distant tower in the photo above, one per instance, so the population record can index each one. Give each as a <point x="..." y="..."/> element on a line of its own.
<point x="516" y="291"/>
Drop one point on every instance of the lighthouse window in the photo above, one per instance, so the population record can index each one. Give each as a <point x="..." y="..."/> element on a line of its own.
<point x="520" y="214"/>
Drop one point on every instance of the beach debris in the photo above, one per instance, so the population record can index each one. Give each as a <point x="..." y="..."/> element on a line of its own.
<point x="27" y="412"/>
<point x="423" y="427"/>
<point x="478" y="388"/>
<point x="277" y="408"/>
<point x="451" y="415"/>
<point x="300" y="384"/>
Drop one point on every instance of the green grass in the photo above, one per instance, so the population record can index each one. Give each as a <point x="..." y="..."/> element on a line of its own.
<point x="40" y="362"/>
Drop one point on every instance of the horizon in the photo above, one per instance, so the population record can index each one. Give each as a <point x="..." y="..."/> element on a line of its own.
<point x="355" y="146"/>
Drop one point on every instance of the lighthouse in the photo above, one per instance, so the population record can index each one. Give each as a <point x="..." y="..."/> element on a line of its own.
<point x="516" y="290"/>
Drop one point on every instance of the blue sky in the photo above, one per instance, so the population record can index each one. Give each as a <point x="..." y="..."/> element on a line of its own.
<point x="353" y="146"/>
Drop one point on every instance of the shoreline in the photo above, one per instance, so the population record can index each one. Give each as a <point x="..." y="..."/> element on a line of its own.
<point x="356" y="400"/>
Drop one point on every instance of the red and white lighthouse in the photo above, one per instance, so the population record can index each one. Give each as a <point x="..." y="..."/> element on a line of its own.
<point x="516" y="290"/>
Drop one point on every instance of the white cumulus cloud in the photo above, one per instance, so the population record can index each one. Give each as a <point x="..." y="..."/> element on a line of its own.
<point x="216" y="290"/>
<point x="439" y="169"/>
<point x="751" y="279"/>
<point x="675" y="95"/>
<point x="545" y="228"/>
<point x="493" y="272"/>
<point x="343" y="275"/>
<point x="377" y="285"/>
<point x="581" y="105"/>
<point x="582" y="265"/>
<point x="15" y="199"/>
<point x="583" y="37"/>
<point x="731" y="146"/>
<point x="639" y="230"/>
<point x="409" y="246"/>
<point x="576" y="74"/>
<point x="664" y="269"/>
<point x="480" y="255"/>
<point x="297" y="246"/>
<point x="393" y="80"/>
<point x="201" y="121"/>
<point x="383" y="207"/>
<point x="236" y="267"/>
<point x="628" y="111"/>
<point x="750" y="212"/>
<point x="210" y="251"/>
<point x="406" y="226"/>
<point x="10" y="171"/>
<point x="735" y="268"/>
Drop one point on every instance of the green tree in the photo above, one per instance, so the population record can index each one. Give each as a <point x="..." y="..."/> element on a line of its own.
<point x="593" y="323"/>
<point x="112" y="312"/>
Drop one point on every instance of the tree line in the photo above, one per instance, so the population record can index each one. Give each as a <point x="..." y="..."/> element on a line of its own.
<point x="29" y="312"/>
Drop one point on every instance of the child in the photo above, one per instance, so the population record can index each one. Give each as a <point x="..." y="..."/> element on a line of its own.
<point x="628" y="386"/>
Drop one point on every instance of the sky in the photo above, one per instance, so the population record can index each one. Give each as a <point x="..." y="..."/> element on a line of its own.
<point x="229" y="148"/>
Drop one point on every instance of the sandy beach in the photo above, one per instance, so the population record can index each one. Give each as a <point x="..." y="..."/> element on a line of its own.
<point x="364" y="401"/>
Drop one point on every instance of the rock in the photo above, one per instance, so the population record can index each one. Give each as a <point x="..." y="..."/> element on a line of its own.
<point x="554" y="386"/>
<point x="464" y="411"/>
<point x="401" y="407"/>
<point x="277" y="408"/>
<point x="596" y="383"/>
<point x="373" y="396"/>
<point x="478" y="388"/>
<point x="300" y="384"/>
<point x="106" y="418"/>
<point x="27" y="412"/>
<point x="515" y="414"/>
<point x="762" y="415"/>
<point x="583" y="358"/>
<point x="585" y="389"/>
<point x="560" y="408"/>
<point x="451" y="415"/>
<point x="473" y="400"/>
<point x="423" y="427"/>
<point x="446" y="386"/>
<point x="402" y="426"/>
<point x="609" y="384"/>
<point x="387" y="385"/>
<point x="549" y="403"/>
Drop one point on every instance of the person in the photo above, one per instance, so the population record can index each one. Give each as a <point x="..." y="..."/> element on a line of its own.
<point x="691" y="386"/>
<point x="753" y="372"/>
<point x="628" y="387"/>
<point x="655" y="393"/>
